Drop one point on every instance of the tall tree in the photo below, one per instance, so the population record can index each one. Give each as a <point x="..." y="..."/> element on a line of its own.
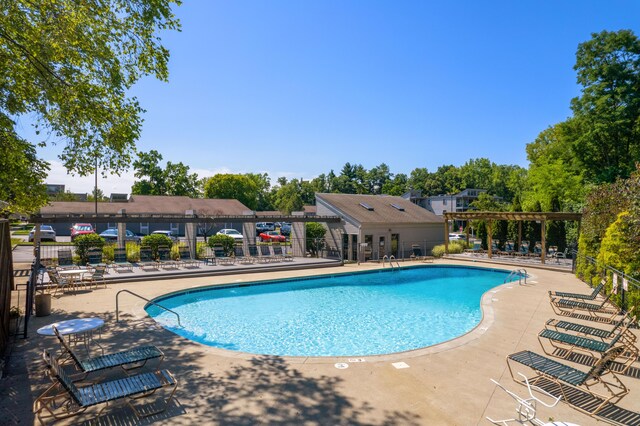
<point x="288" y="197"/>
<point x="174" y="179"/>
<point x="230" y="186"/>
<point x="608" y="109"/>
<point x="69" y="66"/>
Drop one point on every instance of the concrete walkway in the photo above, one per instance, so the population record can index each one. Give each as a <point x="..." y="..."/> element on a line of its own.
<point x="443" y="384"/>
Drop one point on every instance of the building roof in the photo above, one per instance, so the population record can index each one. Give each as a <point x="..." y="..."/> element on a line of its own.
<point x="152" y="204"/>
<point x="378" y="208"/>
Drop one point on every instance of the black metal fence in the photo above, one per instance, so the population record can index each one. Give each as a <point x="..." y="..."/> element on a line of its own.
<point x="6" y="283"/>
<point x="624" y="289"/>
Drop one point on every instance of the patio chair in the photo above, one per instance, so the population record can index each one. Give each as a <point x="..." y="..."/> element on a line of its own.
<point x="186" y="259"/>
<point x="527" y="407"/>
<point x="586" y="330"/>
<point x="146" y="259"/>
<point x="221" y="256"/>
<point x="552" y="251"/>
<point x="278" y="253"/>
<point x="600" y="382"/>
<point x="96" y="277"/>
<point x="477" y="247"/>
<point x="416" y="252"/>
<point x="64" y="398"/>
<point x="58" y="281"/>
<point x="266" y="253"/>
<point x="524" y="249"/>
<point x="238" y="253"/>
<point x="253" y="252"/>
<point x="564" y="345"/>
<point x="164" y="258"/>
<point x="565" y="295"/>
<point x="571" y="307"/>
<point x="508" y="248"/>
<point x="537" y="250"/>
<point x="65" y="259"/>
<point x="129" y="360"/>
<point x="94" y="257"/>
<point x="120" y="262"/>
<point x="495" y="246"/>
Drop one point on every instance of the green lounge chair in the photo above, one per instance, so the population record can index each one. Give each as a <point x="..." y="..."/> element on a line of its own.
<point x="476" y="249"/>
<point x="266" y="253"/>
<point x="128" y="360"/>
<point x="65" y="259"/>
<point x="186" y="259"/>
<point x="65" y="398"/>
<point x="593" y="382"/>
<point x="581" y="296"/>
<point x="278" y="254"/>
<point x="94" y="257"/>
<point x="524" y="249"/>
<point x="238" y="253"/>
<point x="601" y="311"/>
<point x="570" y="344"/>
<point x="585" y="329"/>
<point x="96" y="277"/>
<point x="164" y="258"/>
<point x="146" y="259"/>
<point x="508" y="248"/>
<point x="120" y="262"/>
<point x="221" y="256"/>
<point x="253" y="252"/>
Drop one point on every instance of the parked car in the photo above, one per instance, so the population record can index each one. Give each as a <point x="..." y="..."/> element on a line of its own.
<point x="46" y="233"/>
<point x="264" y="227"/>
<point x="81" y="229"/>
<point x="169" y="234"/>
<point x="272" y="236"/>
<point x="231" y="233"/>
<point x="111" y="234"/>
<point x="457" y="237"/>
<point x="285" y="229"/>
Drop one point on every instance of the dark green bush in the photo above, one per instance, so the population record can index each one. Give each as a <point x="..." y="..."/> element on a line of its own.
<point x="315" y="237"/>
<point x="154" y="241"/>
<point x="85" y="242"/>
<point x="225" y="241"/>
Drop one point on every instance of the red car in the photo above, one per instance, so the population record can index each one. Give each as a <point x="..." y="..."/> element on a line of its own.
<point x="81" y="229"/>
<point x="272" y="236"/>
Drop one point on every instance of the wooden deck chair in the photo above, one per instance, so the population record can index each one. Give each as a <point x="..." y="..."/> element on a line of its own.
<point x="598" y="311"/>
<point x="64" y="398"/>
<point x="238" y="253"/>
<point x="253" y="252"/>
<point x="221" y="256"/>
<point x="120" y="262"/>
<point x="129" y="360"/>
<point x="600" y="381"/>
<point x="186" y="259"/>
<point x="146" y="259"/>
<point x="569" y="344"/>
<point x="566" y="295"/>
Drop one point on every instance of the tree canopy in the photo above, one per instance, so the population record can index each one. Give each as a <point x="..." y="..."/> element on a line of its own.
<point x="68" y="65"/>
<point x="174" y="179"/>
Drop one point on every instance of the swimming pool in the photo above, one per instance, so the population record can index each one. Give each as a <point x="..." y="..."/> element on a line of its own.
<point x="355" y="314"/>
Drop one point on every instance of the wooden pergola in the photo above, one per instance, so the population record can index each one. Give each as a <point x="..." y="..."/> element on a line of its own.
<point x="520" y="217"/>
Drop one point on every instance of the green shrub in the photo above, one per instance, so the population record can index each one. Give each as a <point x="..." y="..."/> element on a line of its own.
<point x="107" y="252"/>
<point x="84" y="243"/>
<point x="455" y="247"/>
<point x="154" y="241"/>
<point x="133" y="252"/>
<point x="225" y="241"/>
<point x="315" y="234"/>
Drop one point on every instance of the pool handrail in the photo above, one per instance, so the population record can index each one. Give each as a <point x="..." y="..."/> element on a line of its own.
<point x="521" y="273"/>
<point x="143" y="298"/>
<point x="390" y="259"/>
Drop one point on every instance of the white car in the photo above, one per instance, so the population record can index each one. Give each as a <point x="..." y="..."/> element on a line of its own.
<point x="46" y="233"/>
<point x="232" y="233"/>
<point x="457" y="237"/>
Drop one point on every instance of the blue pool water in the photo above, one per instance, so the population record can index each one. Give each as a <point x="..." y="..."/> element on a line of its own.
<point x="355" y="314"/>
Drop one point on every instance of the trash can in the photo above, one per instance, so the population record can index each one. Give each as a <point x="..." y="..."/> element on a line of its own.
<point x="43" y="304"/>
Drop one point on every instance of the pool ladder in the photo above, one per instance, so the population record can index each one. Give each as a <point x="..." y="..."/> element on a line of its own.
<point x="143" y="298"/>
<point x="390" y="259"/>
<point x="520" y="273"/>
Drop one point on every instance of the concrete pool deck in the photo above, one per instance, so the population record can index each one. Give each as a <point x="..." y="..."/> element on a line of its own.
<point x="443" y="384"/>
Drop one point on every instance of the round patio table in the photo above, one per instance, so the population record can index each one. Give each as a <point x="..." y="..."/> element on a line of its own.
<point x="77" y="329"/>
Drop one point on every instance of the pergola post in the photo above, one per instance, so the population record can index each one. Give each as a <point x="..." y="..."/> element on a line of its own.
<point x="519" y="234"/>
<point x="489" y="237"/>
<point x="543" y="231"/>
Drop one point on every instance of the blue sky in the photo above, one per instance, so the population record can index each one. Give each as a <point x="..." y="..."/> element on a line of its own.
<point x="297" y="88"/>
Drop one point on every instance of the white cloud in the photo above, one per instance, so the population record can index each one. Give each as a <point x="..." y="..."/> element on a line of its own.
<point x="84" y="184"/>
